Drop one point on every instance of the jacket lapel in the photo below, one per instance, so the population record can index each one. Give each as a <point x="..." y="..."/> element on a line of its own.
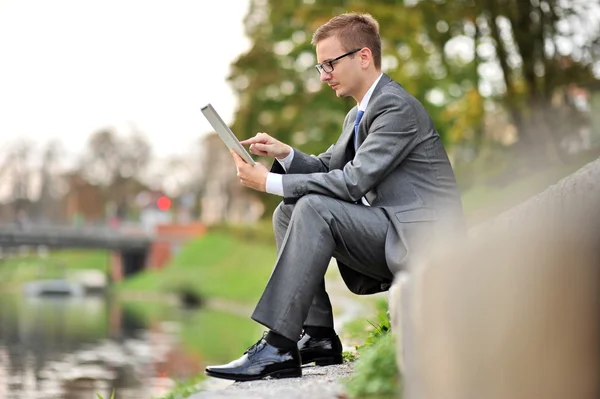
<point x="363" y="128"/>
<point x="344" y="148"/>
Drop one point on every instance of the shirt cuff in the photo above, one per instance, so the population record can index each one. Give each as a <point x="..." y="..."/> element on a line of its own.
<point x="287" y="161"/>
<point x="275" y="184"/>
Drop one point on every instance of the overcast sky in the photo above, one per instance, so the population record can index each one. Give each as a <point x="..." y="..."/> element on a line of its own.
<point x="69" y="67"/>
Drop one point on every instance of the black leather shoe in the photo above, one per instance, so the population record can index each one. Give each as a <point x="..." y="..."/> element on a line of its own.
<point x="322" y="351"/>
<point x="259" y="361"/>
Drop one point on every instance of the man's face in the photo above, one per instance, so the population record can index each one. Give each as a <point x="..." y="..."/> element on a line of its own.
<point x="343" y="78"/>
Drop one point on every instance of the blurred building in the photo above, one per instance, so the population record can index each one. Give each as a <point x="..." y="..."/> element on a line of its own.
<point x="155" y="209"/>
<point x="83" y="201"/>
<point x="223" y="198"/>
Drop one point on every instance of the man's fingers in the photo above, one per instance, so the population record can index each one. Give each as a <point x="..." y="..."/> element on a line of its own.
<point x="251" y="140"/>
<point x="259" y="138"/>
<point x="259" y="149"/>
<point x="237" y="159"/>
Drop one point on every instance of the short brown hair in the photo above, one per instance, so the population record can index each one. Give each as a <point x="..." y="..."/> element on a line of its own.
<point x="353" y="31"/>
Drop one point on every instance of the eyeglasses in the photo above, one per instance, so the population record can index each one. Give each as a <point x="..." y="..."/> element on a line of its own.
<point x="327" y="66"/>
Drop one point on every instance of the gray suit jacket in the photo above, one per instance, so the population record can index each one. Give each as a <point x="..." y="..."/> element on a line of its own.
<point x="400" y="166"/>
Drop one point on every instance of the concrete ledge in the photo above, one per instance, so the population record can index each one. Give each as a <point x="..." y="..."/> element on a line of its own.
<point x="512" y="310"/>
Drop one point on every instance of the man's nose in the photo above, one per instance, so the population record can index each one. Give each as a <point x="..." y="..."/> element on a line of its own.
<point x="325" y="76"/>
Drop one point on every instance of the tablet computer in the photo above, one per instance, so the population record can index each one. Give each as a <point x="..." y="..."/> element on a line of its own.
<point x="225" y="133"/>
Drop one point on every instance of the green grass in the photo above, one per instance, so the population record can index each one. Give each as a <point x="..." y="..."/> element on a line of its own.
<point x="218" y="336"/>
<point x="376" y="373"/>
<point x="349" y="356"/>
<point x="214" y="266"/>
<point x="366" y="331"/>
<point x="215" y="335"/>
<point x="184" y="389"/>
<point x="112" y="396"/>
<point x="56" y="264"/>
<point x="259" y="232"/>
<point x="146" y="311"/>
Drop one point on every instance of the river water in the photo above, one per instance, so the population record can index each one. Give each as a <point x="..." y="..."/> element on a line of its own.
<point x="75" y="348"/>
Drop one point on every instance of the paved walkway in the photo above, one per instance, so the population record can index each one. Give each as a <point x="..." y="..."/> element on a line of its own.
<point x="316" y="383"/>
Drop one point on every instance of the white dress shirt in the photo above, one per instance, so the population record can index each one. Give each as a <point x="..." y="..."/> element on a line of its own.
<point x="274" y="183"/>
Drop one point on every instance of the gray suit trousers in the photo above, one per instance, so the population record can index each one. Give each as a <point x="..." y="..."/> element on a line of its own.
<point x="308" y="234"/>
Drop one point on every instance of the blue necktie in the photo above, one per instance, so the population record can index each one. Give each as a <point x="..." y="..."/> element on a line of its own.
<point x="359" y="116"/>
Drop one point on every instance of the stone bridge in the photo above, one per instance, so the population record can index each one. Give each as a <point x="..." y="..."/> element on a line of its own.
<point x="133" y="249"/>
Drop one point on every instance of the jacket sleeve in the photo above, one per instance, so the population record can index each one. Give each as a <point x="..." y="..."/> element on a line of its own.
<point x="304" y="164"/>
<point x="392" y="135"/>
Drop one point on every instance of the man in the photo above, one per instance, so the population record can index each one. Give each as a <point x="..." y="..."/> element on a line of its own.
<point x="366" y="201"/>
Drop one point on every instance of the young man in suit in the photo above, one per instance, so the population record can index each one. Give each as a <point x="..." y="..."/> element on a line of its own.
<point x="367" y="201"/>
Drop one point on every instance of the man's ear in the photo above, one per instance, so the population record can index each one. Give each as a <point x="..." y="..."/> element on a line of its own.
<point x="366" y="57"/>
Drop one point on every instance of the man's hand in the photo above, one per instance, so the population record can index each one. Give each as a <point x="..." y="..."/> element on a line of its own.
<point x="251" y="176"/>
<point x="264" y="145"/>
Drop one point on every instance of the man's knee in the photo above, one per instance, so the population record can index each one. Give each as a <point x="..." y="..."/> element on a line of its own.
<point x="312" y="203"/>
<point x="282" y="213"/>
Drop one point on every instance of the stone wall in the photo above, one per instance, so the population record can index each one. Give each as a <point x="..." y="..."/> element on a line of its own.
<point x="512" y="310"/>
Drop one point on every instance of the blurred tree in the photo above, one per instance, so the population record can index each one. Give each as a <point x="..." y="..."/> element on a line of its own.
<point x="21" y="175"/>
<point x="31" y="181"/>
<point x="528" y="53"/>
<point x="47" y="207"/>
<point x="221" y="198"/>
<point x="117" y="165"/>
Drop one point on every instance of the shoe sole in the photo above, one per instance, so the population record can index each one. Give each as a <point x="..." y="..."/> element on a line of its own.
<point x="324" y="360"/>
<point x="286" y="373"/>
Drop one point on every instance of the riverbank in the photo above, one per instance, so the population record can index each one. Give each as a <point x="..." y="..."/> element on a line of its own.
<point x="214" y="266"/>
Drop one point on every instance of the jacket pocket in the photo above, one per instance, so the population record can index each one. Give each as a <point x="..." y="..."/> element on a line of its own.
<point x="417" y="215"/>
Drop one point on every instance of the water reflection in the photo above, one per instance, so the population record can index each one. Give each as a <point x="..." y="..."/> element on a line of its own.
<point x="74" y="348"/>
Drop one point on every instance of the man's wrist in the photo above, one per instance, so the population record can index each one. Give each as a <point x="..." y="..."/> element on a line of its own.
<point x="287" y="161"/>
<point x="286" y="154"/>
